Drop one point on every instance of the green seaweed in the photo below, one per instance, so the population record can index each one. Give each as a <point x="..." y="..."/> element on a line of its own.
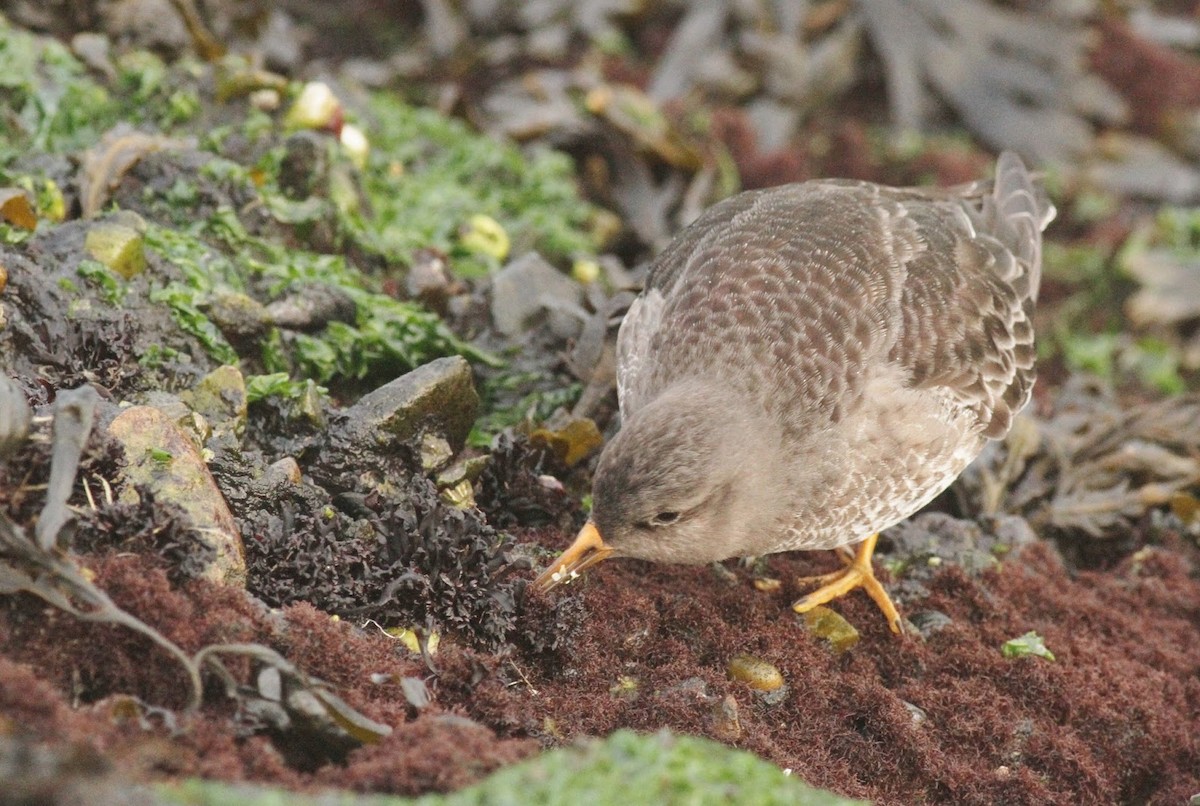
<point x="49" y="103"/>
<point x="657" y="768"/>
<point x="1029" y="644"/>
<point x="428" y="174"/>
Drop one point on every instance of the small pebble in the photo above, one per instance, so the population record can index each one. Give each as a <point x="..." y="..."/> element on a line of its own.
<point x="828" y="624"/>
<point x="928" y="622"/>
<point x="724" y="719"/>
<point x="626" y="688"/>
<point x="916" y="712"/>
<point x="767" y="584"/>
<point x="754" y="672"/>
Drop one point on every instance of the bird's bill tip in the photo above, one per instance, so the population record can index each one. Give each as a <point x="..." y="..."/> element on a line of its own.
<point x="588" y="549"/>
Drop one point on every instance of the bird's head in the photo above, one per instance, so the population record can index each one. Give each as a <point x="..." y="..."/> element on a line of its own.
<point x="692" y="477"/>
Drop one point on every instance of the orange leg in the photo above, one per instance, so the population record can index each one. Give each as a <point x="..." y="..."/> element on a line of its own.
<point x="858" y="573"/>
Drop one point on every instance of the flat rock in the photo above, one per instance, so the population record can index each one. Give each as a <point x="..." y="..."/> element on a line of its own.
<point x="529" y="288"/>
<point x="436" y="398"/>
<point x="165" y="459"/>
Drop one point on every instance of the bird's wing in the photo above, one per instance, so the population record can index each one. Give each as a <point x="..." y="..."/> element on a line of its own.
<point x="823" y="279"/>
<point x="638" y="327"/>
<point x="967" y="301"/>
<point x="635" y="340"/>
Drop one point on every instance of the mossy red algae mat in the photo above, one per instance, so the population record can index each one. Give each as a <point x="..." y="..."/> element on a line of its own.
<point x="1114" y="718"/>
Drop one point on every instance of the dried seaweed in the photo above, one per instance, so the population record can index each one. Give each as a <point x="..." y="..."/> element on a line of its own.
<point x="513" y="490"/>
<point x="415" y="559"/>
<point x="302" y="546"/>
<point x="1092" y="469"/>
<point x="451" y="568"/>
<point x="309" y="722"/>
<point x="42" y="567"/>
<point x="74" y="412"/>
<point x="1016" y="80"/>
<point x="145" y="526"/>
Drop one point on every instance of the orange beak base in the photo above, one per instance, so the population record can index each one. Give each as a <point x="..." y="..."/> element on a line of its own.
<point x="587" y="550"/>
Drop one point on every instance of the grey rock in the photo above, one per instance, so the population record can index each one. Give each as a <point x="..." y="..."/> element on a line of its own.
<point x="240" y="317"/>
<point x="311" y="307"/>
<point x="529" y="288"/>
<point x="220" y="397"/>
<point x="928" y="622"/>
<point x="162" y="458"/>
<point x="437" y="398"/>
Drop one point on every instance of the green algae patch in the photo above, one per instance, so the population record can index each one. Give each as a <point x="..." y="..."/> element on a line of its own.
<point x="386" y="335"/>
<point x="346" y="220"/>
<point x="50" y="102"/>
<point x="429" y="177"/>
<point x="656" y="768"/>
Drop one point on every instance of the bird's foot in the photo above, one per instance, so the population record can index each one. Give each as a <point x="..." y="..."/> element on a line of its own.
<point x="858" y="573"/>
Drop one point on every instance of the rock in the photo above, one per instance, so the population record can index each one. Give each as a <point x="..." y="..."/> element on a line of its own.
<point x="928" y="622"/>
<point x="240" y="317"/>
<point x="437" y="398"/>
<point x="164" y="459"/>
<point x="826" y="623"/>
<point x="15" y="416"/>
<point x="192" y="423"/>
<point x="279" y="477"/>
<point x="724" y="720"/>
<point x="924" y="543"/>
<point x="304" y="170"/>
<point x="918" y="714"/>
<point x="220" y="397"/>
<point x="311" y="307"/>
<point x="429" y="281"/>
<point x="756" y="673"/>
<point x="120" y="248"/>
<point x="529" y="287"/>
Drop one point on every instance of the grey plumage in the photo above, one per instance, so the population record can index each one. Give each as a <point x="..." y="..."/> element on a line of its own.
<point x="811" y="363"/>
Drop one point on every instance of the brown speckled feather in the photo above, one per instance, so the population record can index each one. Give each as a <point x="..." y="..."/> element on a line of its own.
<point x="832" y="276"/>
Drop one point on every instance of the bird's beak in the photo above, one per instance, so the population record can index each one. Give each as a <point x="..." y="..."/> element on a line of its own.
<point x="587" y="550"/>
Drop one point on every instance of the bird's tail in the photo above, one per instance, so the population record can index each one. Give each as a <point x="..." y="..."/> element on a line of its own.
<point x="1022" y="210"/>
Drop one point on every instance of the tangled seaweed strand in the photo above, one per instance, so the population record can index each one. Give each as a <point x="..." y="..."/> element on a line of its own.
<point x="511" y="492"/>
<point x="452" y="568"/>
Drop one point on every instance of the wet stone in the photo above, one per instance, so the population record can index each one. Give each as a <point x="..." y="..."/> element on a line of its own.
<point x="240" y="318"/>
<point x="724" y="720"/>
<point x="756" y="673"/>
<point x="221" y="397"/>
<point x="827" y="623"/>
<point x="928" y="622"/>
<point x="120" y="248"/>
<point x="916" y="712"/>
<point x="304" y="170"/>
<point x="279" y="477"/>
<point x="529" y="289"/>
<point x="437" y="398"/>
<point x="191" y="422"/>
<point x="311" y="307"/>
<point x="922" y="545"/>
<point x="165" y="459"/>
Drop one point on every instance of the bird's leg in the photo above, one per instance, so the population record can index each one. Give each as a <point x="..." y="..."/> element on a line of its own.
<point x="845" y="555"/>
<point x="858" y="573"/>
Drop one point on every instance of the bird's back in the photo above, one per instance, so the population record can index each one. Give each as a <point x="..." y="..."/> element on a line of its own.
<point x="797" y="295"/>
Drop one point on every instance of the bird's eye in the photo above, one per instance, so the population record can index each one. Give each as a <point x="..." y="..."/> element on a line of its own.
<point x="664" y="519"/>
